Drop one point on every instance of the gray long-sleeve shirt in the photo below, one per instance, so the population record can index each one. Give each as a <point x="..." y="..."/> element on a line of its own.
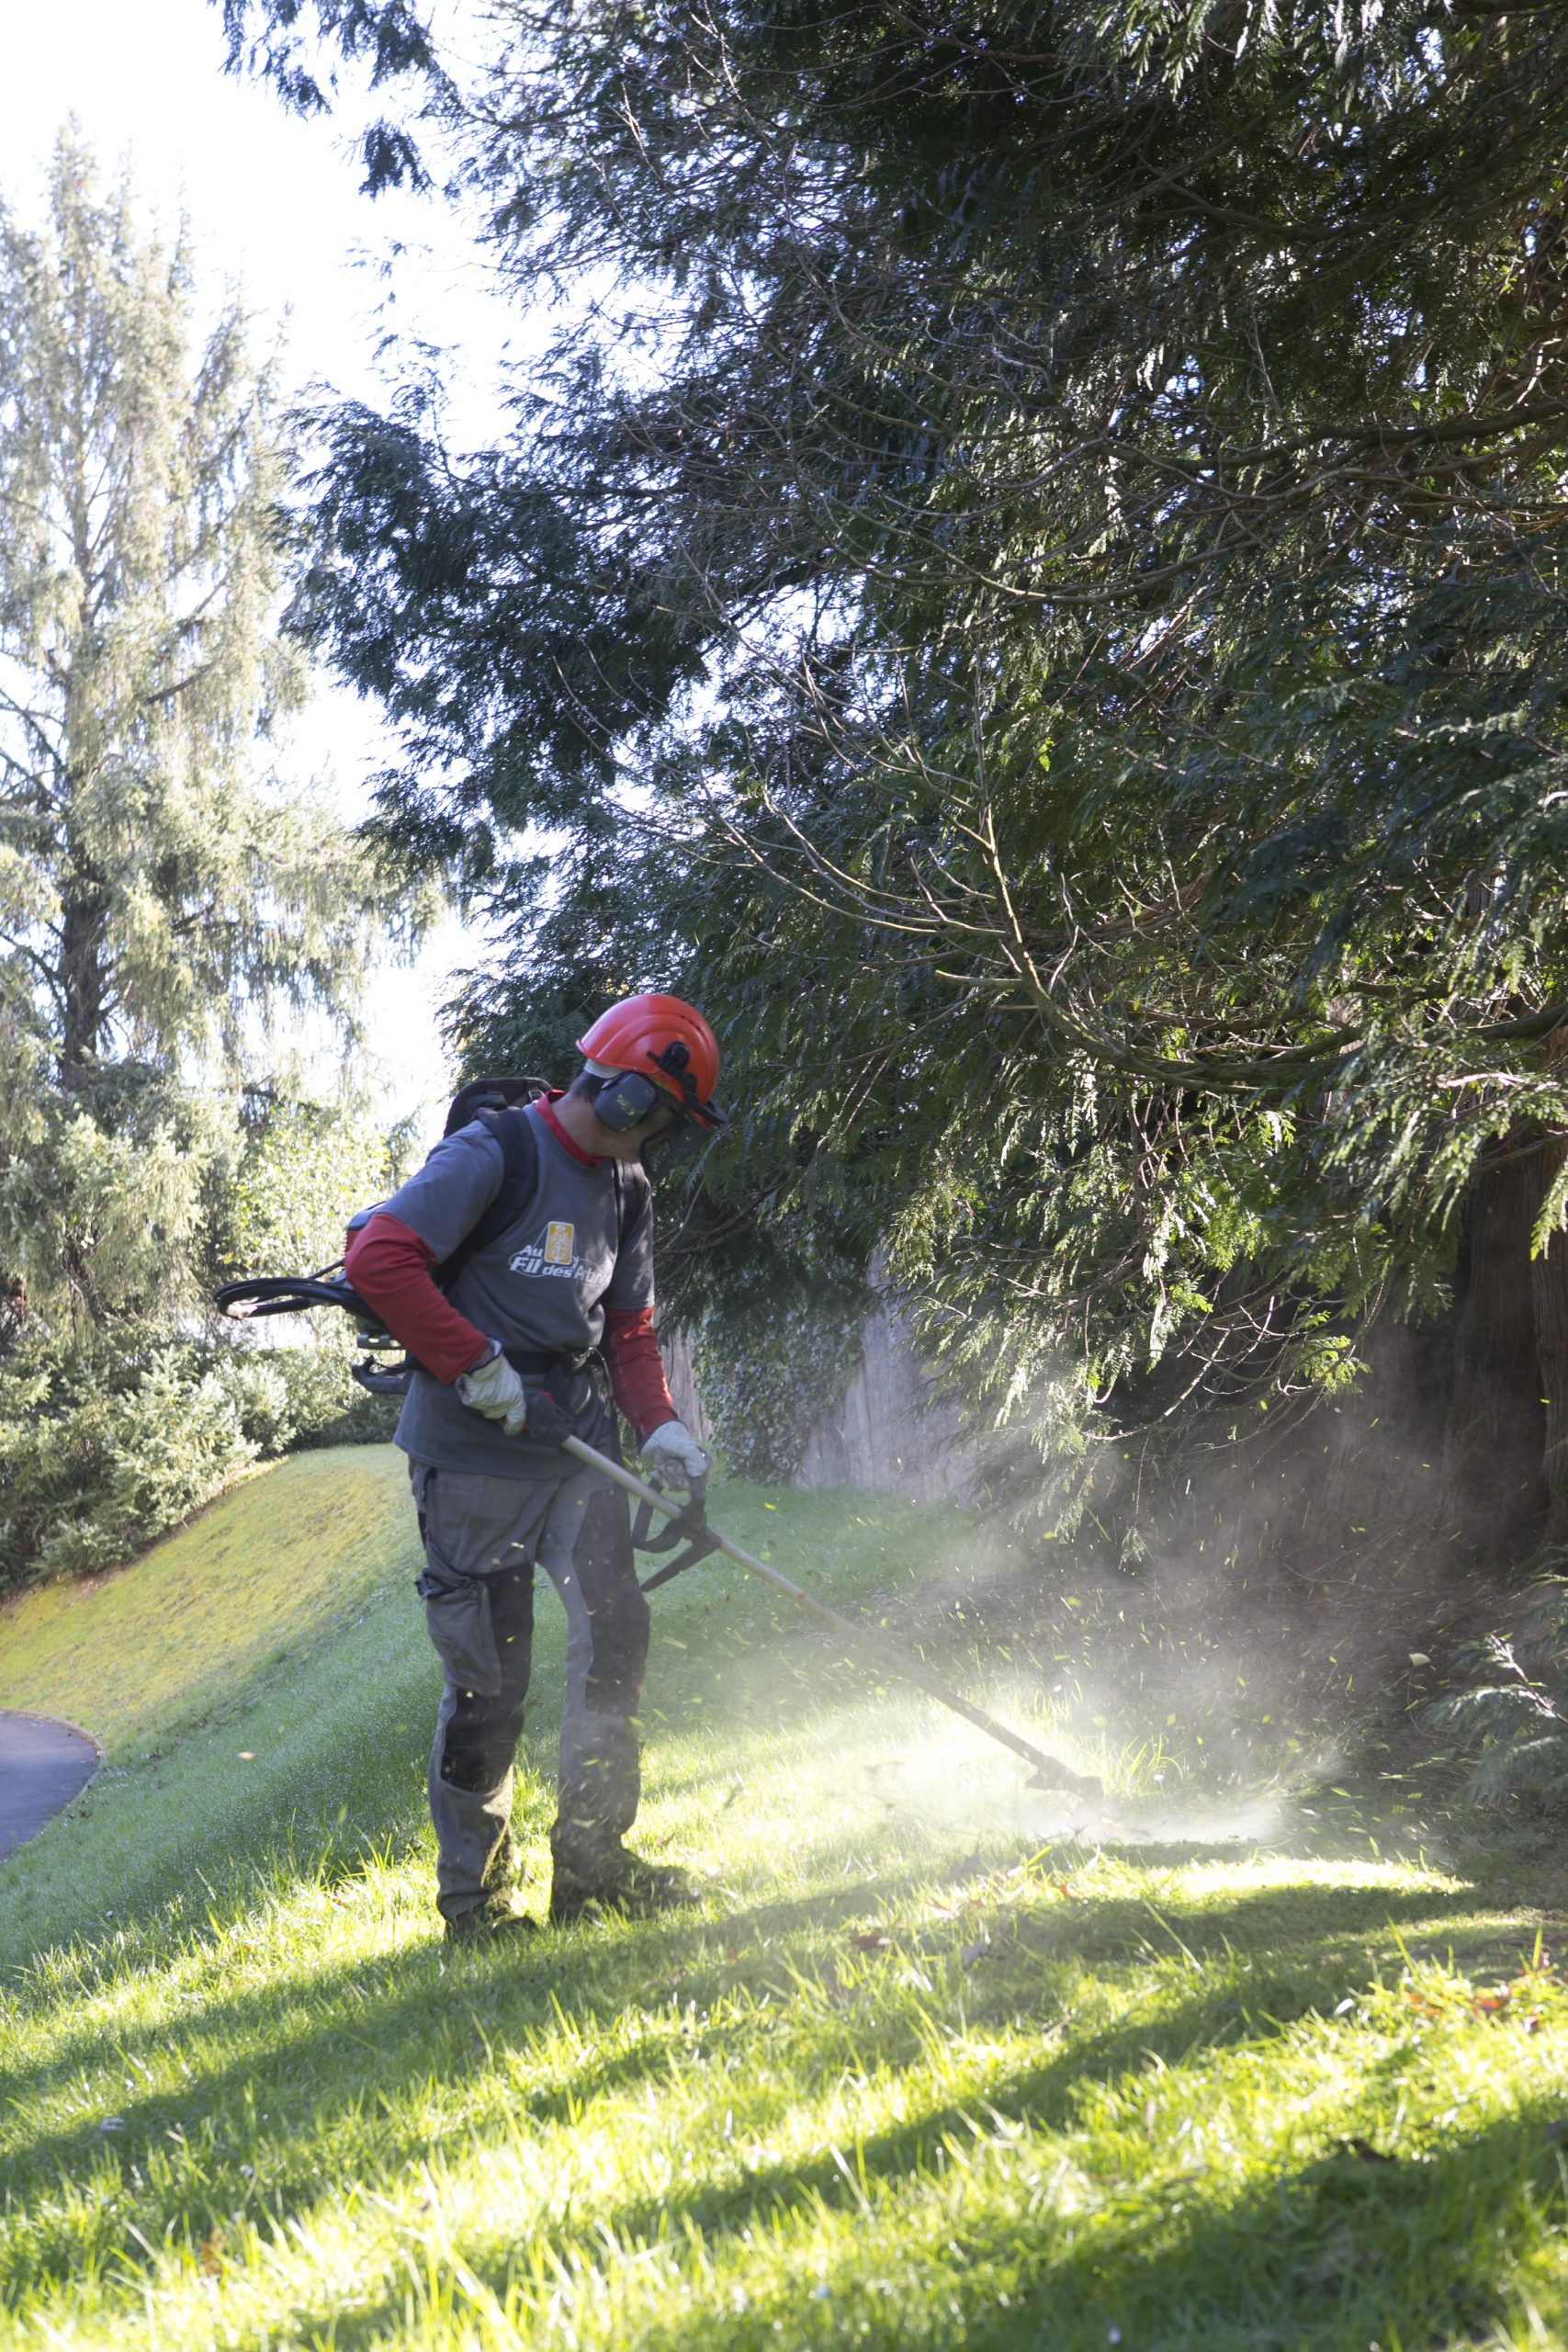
<point x="545" y="1284"/>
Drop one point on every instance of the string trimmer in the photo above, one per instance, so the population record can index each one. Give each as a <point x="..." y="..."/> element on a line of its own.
<point x="687" y="1524"/>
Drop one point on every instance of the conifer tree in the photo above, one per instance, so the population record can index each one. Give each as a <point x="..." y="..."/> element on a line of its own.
<point x="1102" y="475"/>
<point x="159" y="897"/>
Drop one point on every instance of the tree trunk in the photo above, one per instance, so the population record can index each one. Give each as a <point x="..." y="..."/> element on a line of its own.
<point x="1549" y="1293"/>
<point x="1494" y="1444"/>
<point x="82" y="983"/>
<point x="1373" y="1460"/>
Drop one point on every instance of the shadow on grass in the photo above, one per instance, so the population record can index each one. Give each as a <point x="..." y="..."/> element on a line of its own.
<point x="1091" y="1932"/>
<point x="432" y="2012"/>
<point x="1334" y="2253"/>
<point x="1327" y="2257"/>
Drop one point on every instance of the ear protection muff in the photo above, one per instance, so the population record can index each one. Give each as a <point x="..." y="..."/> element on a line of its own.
<point x="626" y="1099"/>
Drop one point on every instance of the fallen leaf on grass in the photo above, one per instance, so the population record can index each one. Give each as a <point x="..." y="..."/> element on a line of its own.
<point x="1365" y="2154"/>
<point x="871" y="1943"/>
<point x="209" y="2255"/>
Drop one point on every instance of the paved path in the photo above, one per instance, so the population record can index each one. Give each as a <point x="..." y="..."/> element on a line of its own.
<point x="42" y="1766"/>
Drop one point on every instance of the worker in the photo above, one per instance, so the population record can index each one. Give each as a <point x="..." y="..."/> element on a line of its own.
<point x="560" y="1297"/>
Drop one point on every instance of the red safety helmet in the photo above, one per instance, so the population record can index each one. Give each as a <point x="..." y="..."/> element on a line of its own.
<point x="663" y="1038"/>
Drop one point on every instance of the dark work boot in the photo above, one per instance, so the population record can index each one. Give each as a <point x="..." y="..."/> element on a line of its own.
<point x="497" y="1916"/>
<point x="620" y="1881"/>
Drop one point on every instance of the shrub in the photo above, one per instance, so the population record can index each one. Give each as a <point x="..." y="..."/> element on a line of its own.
<point x="99" y="1456"/>
<point x="769" y="1366"/>
<point x="324" y="1406"/>
<point x="1512" y="1714"/>
<point x="306" y="1170"/>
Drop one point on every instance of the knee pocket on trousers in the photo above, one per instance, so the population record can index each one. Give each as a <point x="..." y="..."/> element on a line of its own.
<point x="480" y="1745"/>
<point x="461" y="1623"/>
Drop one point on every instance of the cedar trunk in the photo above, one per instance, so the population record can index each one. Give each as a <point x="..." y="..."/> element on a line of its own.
<point x="1494" y="1489"/>
<point x="1549" y="1300"/>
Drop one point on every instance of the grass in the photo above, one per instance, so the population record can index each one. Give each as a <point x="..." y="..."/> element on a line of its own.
<point x="139" y="1655"/>
<point x="919" y="2074"/>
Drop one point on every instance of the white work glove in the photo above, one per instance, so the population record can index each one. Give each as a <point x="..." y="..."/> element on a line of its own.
<point x="494" y="1389"/>
<point x="674" y="1456"/>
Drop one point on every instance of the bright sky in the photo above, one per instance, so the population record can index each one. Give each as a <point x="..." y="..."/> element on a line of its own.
<point x="273" y="204"/>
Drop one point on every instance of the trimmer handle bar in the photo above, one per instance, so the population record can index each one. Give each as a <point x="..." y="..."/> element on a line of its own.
<point x="687" y="1525"/>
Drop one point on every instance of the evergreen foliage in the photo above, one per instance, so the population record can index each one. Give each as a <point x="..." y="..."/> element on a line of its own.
<point x="161" y="899"/>
<point x="1508" y="1714"/>
<point x="156" y="901"/>
<point x="385" y="39"/>
<point x="1032" y="590"/>
<point x="307" y="1171"/>
<point x="96" y="1459"/>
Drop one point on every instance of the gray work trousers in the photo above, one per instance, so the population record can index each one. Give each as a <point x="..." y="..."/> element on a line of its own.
<point x="483" y="1537"/>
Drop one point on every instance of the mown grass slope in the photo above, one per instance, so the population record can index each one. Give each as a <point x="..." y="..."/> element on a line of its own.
<point x="923" y="2070"/>
<point x="292" y="1551"/>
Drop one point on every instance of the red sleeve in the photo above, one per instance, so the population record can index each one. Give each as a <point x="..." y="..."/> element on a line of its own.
<point x="636" y="1369"/>
<point x="389" y="1267"/>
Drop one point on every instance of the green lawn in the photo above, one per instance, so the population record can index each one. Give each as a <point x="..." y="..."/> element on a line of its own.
<point x="289" y="1553"/>
<point x="923" y="2070"/>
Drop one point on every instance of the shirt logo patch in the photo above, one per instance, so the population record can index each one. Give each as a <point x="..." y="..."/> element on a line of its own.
<point x="555" y="1257"/>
